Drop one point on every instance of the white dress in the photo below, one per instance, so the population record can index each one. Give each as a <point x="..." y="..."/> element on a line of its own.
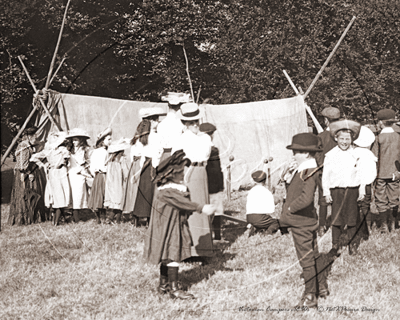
<point x="77" y="180"/>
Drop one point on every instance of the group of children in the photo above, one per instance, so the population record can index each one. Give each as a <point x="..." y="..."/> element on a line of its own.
<point x="171" y="158"/>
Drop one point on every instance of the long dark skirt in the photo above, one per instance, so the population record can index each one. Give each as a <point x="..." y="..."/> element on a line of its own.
<point x="23" y="209"/>
<point x="96" y="198"/>
<point x="145" y="193"/>
<point x="199" y="224"/>
<point x="345" y="207"/>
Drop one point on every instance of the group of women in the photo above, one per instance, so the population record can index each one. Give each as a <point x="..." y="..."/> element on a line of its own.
<point x="116" y="178"/>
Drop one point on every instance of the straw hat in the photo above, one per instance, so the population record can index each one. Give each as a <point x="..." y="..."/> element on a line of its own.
<point x="366" y="137"/>
<point x="175" y="98"/>
<point x="77" y="132"/>
<point x="119" y="145"/>
<point x="103" y="134"/>
<point x="307" y="142"/>
<point x="351" y="125"/>
<point x="55" y="139"/>
<point x="189" y="112"/>
<point x="148" y="112"/>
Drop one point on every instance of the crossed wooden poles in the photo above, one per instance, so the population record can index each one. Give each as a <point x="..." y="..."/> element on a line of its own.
<point x="49" y="80"/>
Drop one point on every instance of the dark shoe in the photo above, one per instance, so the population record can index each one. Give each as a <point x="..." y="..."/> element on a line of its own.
<point x="163" y="287"/>
<point x="307" y="301"/>
<point x="323" y="293"/>
<point x="118" y="218"/>
<point x="98" y="220"/>
<point x="384" y="228"/>
<point x="321" y="231"/>
<point x="353" y="249"/>
<point x="176" y="293"/>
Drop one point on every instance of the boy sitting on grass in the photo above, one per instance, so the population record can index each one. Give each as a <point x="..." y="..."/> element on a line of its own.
<point x="299" y="214"/>
<point x="259" y="207"/>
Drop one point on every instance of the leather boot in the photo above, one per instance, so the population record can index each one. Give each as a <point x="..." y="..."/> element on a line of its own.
<point x="175" y="291"/>
<point x="309" y="298"/>
<point x="323" y="264"/>
<point x="307" y="301"/>
<point x="396" y="217"/>
<point x="98" y="220"/>
<point x="118" y="218"/>
<point x="134" y="220"/>
<point x="75" y="214"/>
<point x="383" y="219"/>
<point x="57" y="216"/>
<point x="110" y="216"/>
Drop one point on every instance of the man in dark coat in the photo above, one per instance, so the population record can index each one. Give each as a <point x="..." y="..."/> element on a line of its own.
<point x="330" y="114"/>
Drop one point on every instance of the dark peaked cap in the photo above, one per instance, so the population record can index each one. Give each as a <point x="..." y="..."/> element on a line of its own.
<point x="259" y="176"/>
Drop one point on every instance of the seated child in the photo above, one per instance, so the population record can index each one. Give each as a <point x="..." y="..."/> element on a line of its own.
<point x="260" y="204"/>
<point x="169" y="239"/>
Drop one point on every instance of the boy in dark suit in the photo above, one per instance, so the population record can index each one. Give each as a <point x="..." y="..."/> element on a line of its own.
<point x="299" y="214"/>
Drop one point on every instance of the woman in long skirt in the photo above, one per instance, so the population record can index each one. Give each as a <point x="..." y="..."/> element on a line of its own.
<point x="168" y="239"/>
<point x="27" y="179"/>
<point x="98" y="169"/>
<point x="197" y="147"/>
<point x="117" y="173"/>
<point x="78" y="170"/>
<point x="146" y="152"/>
<point x="57" y="195"/>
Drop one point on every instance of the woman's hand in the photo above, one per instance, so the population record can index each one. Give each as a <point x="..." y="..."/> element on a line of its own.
<point x="208" y="209"/>
<point x="328" y="199"/>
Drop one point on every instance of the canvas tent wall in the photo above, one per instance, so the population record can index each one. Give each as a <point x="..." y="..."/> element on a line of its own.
<point x="251" y="132"/>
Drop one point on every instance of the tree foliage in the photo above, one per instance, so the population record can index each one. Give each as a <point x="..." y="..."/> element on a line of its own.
<point x="237" y="50"/>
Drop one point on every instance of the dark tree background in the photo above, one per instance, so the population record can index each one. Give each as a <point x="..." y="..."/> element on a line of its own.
<point x="237" y="50"/>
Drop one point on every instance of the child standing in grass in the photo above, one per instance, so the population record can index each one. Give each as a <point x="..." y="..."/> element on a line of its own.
<point x="387" y="188"/>
<point x="260" y="205"/>
<point x="169" y="239"/>
<point x="299" y="214"/>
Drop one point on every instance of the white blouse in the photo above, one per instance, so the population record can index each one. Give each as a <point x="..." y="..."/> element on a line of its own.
<point x="350" y="168"/>
<point x="170" y="129"/>
<point x="98" y="160"/>
<point x="153" y="150"/>
<point x="196" y="147"/>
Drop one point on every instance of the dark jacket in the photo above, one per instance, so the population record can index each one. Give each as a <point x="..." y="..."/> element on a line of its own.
<point x="299" y="209"/>
<point x="327" y="144"/>
<point x="214" y="173"/>
<point x="387" y="149"/>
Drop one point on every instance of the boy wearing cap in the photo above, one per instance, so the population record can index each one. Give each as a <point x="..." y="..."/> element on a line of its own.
<point x="387" y="187"/>
<point x="169" y="238"/>
<point x="215" y="179"/>
<point x="330" y="114"/>
<point x="299" y="214"/>
<point x="260" y="205"/>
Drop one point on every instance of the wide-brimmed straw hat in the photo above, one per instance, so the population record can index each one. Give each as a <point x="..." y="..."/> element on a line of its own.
<point x="365" y="138"/>
<point x="175" y="98"/>
<point x="351" y="125"/>
<point x="78" y="132"/>
<point x="102" y="135"/>
<point x="55" y="139"/>
<point x="119" y="145"/>
<point x="307" y="142"/>
<point x="149" y="112"/>
<point x="190" y="112"/>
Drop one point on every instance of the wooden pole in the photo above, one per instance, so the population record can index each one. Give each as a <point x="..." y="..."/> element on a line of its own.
<point x="187" y="71"/>
<point x="18" y="135"/>
<point x="228" y="182"/>
<point x="311" y="114"/>
<point x="329" y="58"/>
<point x="48" y="80"/>
<point x="40" y="99"/>
<point x="58" y="68"/>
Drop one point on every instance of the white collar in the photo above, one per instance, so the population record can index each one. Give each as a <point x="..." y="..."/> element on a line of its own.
<point x="308" y="164"/>
<point x="172" y="185"/>
<point x="387" y="130"/>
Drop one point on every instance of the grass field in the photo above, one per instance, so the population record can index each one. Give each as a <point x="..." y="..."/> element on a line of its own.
<point x="90" y="271"/>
